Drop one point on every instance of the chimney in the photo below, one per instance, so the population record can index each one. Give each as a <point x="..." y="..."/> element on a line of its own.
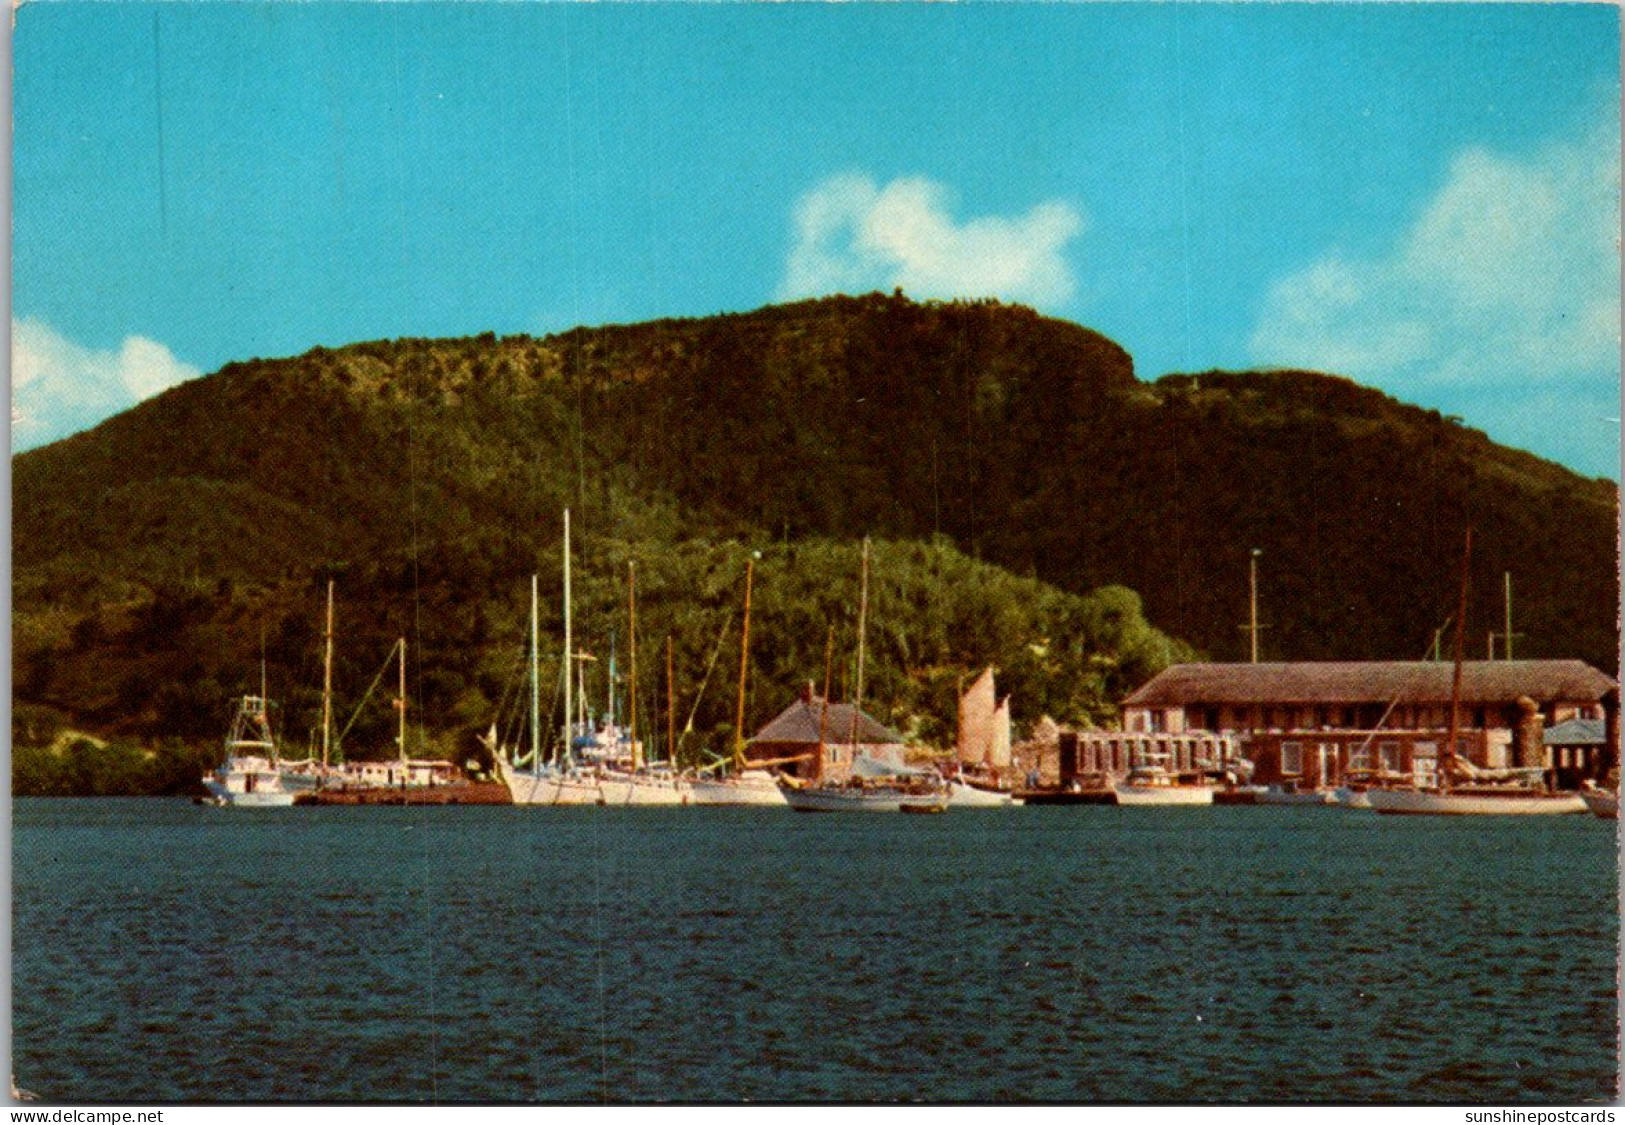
<point x="1528" y="736"/>
<point x="807" y="693"/>
<point x="1069" y="756"/>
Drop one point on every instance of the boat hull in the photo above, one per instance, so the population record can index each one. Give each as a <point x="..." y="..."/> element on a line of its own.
<point x="1605" y="805"/>
<point x="1284" y="797"/>
<point x="550" y="788"/>
<point x="1420" y="802"/>
<point x="878" y="799"/>
<point x="625" y="790"/>
<point x="224" y="795"/>
<point x="1149" y="796"/>
<point x="1352" y="798"/>
<point x="964" y="795"/>
<point x="753" y="787"/>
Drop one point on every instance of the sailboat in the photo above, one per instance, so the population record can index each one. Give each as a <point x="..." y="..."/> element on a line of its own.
<point x="875" y="785"/>
<point x="307" y="773"/>
<point x="547" y="783"/>
<point x="631" y="781"/>
<point x="1477" y="798"/>
<point x="739" y="785"/>
<point x="247" y="777"/>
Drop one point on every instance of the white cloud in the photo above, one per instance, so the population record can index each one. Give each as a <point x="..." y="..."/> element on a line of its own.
<point x="854" y="236"/>
<point x="1509" y="275"/>
<point x="59" y="387"/>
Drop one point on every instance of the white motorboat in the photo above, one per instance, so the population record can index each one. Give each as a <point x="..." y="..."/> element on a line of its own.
<point x="1152" y="784"/>
<point x="248" y="775"/>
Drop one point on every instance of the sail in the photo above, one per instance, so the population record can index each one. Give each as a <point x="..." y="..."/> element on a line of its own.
<point x="998" y="755"/>
<point x="976" y="721"/>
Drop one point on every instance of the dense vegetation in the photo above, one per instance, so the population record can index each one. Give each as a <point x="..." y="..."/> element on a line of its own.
<point x="1008" y="463"/>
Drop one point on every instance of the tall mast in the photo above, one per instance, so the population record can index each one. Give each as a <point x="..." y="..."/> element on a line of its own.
<point x="1448" y="758"/>
<point x="401" y="701"/>
<point x="536" y="684"/>
<point x="632" y="643"/>
<point x="567" y="637"/>
<point x="863" y="618"/>
<point x="265" y="702"/>
<point x="327" y="683"/>
<point x="823" y="710"/>
<point x="744" y="659"/>
<point x="671" y="708"/>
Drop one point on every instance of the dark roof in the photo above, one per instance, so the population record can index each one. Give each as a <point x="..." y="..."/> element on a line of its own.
<point x="1482" y="681"/>
<point x="800" y="722"/>
<point x="1577" y="732"/>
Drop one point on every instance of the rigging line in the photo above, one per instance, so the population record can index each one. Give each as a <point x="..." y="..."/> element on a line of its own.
<point x="699" y="692"/>
<point x="1394" y="702"/>
<point x="354" y="715"/>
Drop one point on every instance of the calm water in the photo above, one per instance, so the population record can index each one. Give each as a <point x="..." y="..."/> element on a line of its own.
<point x="173" y="953"/>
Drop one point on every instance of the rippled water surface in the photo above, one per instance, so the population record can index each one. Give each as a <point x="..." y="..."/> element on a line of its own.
<point x="168" y="952"/>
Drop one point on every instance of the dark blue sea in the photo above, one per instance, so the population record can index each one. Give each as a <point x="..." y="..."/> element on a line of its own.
<point x="173" y="953"/>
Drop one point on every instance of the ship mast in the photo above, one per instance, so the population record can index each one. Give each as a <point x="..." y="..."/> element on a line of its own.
<point x="400" y="701"/>
<point x="744" y="661"/>
<point x="632" y="677"/>
<point x="327" y="684"/>
<point x="535" y="685"/>
<point x="1448" y="758"/>
<point x="567" y="638"/>
<point x="823" y="710"/>
<point x="671" y="712"/>
<point x="863" y="617"/>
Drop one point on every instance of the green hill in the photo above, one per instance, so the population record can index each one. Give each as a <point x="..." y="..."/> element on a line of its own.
<point x="429" y="475"/>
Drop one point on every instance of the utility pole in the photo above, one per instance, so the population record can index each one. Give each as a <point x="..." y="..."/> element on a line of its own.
<point x="1252" y="627"/>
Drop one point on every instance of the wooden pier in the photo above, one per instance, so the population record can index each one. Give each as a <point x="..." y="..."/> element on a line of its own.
<point x="454" y="793"/>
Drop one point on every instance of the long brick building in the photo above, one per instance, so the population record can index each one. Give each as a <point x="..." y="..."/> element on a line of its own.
<point x="1321" y="723"/>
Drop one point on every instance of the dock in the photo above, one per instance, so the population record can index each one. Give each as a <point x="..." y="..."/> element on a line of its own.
<point x="454" y="793"/>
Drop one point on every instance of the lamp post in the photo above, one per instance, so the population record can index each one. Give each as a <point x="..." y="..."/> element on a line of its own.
<point x="1252" y="584"/>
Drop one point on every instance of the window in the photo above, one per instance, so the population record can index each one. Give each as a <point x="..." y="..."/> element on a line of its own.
<point x="1291" y="757"/>
<point x="1388" y="755"/>
<point x="1360" y="757"/>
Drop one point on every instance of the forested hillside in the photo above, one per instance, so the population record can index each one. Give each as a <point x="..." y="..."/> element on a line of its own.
<point x="1008" y="464"/>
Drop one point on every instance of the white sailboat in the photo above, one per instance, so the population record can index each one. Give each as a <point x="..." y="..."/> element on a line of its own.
<point x="247" y="777"/>
<point x="1480" y="796"/>
<point x="875" y="786"/>
<point x="633" y="782"/>
<point x="737" y="784"/>
<point x="548" y="783"/>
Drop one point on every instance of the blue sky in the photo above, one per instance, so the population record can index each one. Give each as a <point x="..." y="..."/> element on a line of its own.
<point x="1423" y="197"/>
